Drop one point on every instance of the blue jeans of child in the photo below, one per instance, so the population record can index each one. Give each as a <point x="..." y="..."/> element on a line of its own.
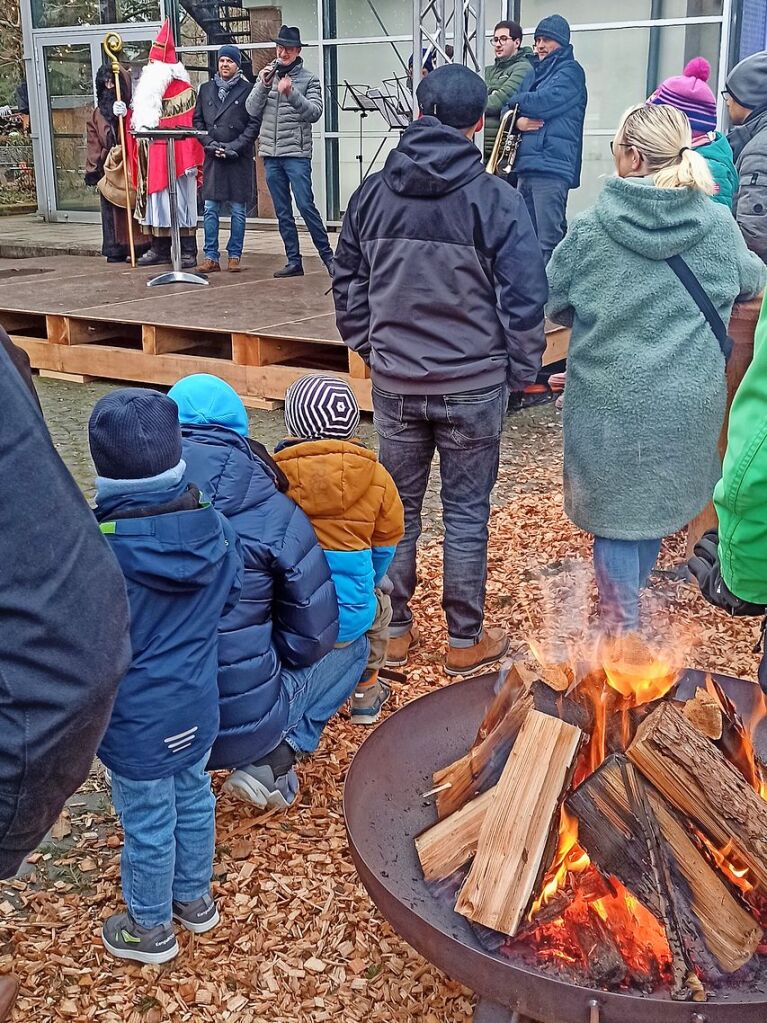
<point x="169" y="827"/>
<point x="286" y="173"/>
<point x="210" y="221"/>
<point x="546" y="201"/>
<point x="465" y="429"/>
<point x="622" y="568"/>
<point x="315" y="693"/>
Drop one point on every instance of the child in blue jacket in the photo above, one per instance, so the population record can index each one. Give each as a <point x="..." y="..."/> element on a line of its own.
<point x="182" y="568"/>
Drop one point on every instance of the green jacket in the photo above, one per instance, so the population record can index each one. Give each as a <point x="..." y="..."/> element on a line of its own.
<point x="503" y="79"/>
<point x="718" y="155"/>
<point x="646" y="389"/>
<point x="741" y="495"/>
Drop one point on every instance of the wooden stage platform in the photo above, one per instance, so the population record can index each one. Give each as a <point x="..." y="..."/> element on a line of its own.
<point x="78" y="316"/>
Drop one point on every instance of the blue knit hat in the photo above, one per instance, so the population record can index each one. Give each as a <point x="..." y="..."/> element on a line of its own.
<point x="318" y="407"/>
<point x="205" y="400"/>
<point x="453" y="94"/>
<point x="134" y="434"/>
<point x="232" y="52"/>
<point x="554" y="27"/>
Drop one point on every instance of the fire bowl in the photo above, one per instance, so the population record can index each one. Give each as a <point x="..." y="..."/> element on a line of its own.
<point x="385" y="810"/>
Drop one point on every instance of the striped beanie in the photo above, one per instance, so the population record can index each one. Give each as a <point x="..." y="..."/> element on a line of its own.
<point x="317" y="407"/>
<point x="689" y="93"/>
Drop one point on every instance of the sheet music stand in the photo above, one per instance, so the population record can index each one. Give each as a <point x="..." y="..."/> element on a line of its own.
<point x="355" y="100"/>
<point x="176" y="275"/>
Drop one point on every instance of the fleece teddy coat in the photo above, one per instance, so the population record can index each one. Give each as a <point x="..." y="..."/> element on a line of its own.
<point x="645" y="375"/>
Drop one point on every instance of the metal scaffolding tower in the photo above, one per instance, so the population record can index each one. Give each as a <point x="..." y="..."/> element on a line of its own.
<point x="459" y="23"/>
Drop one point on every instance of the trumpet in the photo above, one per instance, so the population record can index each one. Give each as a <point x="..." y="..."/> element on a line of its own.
<point x="506" y="145"/>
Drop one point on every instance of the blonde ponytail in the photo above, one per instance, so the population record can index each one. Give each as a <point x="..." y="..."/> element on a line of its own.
<point x="662" y="135"/>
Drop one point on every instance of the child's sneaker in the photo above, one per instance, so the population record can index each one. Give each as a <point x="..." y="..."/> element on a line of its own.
<point x="198" y="916"/>
<point x="124" y="938"/>
<point x="258" y="785"/>
<point x="367" y="703"/>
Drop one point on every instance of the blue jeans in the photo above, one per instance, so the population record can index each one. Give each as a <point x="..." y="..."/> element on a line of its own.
<point x="465" y="429"/>
<point x="169" y="827"/>
<point x="546" y="201"/>
<point x="622" y="568"/>
<point x="236" y="232"/>
<point x="315" y="693"/>
<point x="284" y="173"/>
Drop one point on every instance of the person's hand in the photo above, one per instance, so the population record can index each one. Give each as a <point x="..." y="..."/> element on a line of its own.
<point x="528" y="124"/>
<point x="266" y="74"/>
<point x="220" y="152"/>
<point x="6" y="111"/>
<point x="285" y="86"/>
<point x="704" y="565"/>
<point x="119" y="109"/>
<point x="231" y="154"/>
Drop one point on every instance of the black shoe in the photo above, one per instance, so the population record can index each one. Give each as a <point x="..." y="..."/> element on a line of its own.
<point x="290" y="270"/>
<point x="154" y="258"/>
<point x="189" y="262"/>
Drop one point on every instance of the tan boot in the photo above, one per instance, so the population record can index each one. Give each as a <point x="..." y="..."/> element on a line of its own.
<point x="400" y="648"/>
<point x="208" y="266"/>
<point x="491" y="646"/>
<point x="9" y="988"/>
<point x="234" y="265"/>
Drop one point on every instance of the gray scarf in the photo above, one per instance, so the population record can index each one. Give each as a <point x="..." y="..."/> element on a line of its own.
<point x="224" y="85"/>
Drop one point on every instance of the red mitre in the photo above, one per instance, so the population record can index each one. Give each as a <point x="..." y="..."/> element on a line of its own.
<point x="164" y="48"/>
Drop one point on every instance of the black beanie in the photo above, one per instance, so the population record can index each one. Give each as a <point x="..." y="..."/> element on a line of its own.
<point x="454" y="95"/>
<point x="554" y="27"/>
<point x="134" y="434"/>
<point x="230" y="51"/>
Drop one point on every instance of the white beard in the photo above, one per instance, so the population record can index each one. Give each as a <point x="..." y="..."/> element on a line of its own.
<point x="150" y="89"/>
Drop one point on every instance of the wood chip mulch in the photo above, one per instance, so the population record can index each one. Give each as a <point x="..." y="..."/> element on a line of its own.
<point x="299" y="939"/>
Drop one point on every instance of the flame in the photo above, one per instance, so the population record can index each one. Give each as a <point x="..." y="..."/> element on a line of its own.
<point x="638" y="672"/>
<point x="570" y="858"/>
<point x="725" y="861"/>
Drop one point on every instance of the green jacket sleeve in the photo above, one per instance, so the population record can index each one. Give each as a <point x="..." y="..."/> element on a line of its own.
<point x="501" y="87"/>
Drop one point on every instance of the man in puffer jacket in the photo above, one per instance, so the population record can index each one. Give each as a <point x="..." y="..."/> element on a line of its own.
<point x="288" y="99"/>
<point x="552" y="108"/>
<point x="746" y="98"/>
<point x="513" y="62"/>
<point x="280" y="676"/>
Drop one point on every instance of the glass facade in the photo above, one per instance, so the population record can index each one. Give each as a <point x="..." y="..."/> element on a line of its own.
<point x="71" y="13"/>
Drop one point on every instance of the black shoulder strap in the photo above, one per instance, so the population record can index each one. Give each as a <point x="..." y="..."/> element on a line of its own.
<point x="703" y="302"/>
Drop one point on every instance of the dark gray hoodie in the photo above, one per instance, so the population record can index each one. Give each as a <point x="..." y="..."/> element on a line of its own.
<point x="747" y="83"/>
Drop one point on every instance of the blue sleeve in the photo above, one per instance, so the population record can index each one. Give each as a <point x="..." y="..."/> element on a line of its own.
<point x="305" y="608"/>
<point x="234" y="563"/>
<point x="565" y="89"/>
<point x="382" y="558"/>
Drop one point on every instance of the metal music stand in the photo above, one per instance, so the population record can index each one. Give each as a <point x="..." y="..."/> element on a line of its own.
<point x="355" y="100"/>
<point x="176" y="275"/>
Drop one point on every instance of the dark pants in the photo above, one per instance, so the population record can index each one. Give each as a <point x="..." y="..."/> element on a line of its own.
<point x="286" y="173"/>
<point x="546" y="201"/>
<point x="466" y="431"/>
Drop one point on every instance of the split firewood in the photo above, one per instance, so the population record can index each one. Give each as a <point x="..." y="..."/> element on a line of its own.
<point x="519" y="833"/>
<point x="452" y="842"/>
<point x="695" y="777"/>
<point x="607" y="967"/>
<point x="705" y="713"/>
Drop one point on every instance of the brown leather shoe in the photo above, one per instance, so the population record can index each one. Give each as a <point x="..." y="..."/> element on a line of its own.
<point x="400" y="648"/>
<point x="234" y="265"/>
<point x="208" y="266"/>
<point x="491" y="646"/>
<point x="9" y="988"/>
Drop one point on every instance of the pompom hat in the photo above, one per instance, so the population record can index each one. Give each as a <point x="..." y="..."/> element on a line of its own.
<point x="690" y="93"/>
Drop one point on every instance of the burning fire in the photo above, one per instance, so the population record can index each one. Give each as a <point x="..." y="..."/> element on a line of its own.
<point x="570" y="858"/>
<point x="638" y="672"/>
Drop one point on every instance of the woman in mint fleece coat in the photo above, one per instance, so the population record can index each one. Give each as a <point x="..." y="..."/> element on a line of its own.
<point x="646" y="376"/>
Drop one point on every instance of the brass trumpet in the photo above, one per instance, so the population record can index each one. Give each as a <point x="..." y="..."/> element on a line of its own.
<point x="506" y="146"/>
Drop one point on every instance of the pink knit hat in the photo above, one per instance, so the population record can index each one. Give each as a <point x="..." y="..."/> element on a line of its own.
<point x="689" y="93"/>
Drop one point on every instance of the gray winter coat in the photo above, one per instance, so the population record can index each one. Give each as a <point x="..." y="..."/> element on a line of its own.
<point x="749" y="146"/>
<point x="286" y="125"/>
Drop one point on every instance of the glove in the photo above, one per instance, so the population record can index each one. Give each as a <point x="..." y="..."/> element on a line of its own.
<point x="231" y="154"/>
<point x="704" y="565"/>
<point x="6" y="111"/>
<point x="119" y="109"/>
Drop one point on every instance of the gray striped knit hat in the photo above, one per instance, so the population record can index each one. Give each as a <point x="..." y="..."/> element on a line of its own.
<point x="317" y="407"/>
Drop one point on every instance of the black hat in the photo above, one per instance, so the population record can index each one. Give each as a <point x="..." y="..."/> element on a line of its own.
<point x="232" y="52"/>
<point x="454" y="95"/>
<point x="289" y="36"/>
<point x="134" y="434"/>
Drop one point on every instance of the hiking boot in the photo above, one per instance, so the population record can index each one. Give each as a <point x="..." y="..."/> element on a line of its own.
<point x="491" y="646"/>
<point x="234" y="265"/>
<point x="209" y="266"/>
<point x="367" y="703"/>
<point x="400" y="648"/>
<point x="9" y="988"/>
<point x="290" y="270"/>
<point x="124" y="938"/>
<point x="198" y="916"/>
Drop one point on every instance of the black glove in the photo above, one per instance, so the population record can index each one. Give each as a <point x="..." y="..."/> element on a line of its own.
<point x="705" y="567"/>
<point x="231" y="154"/>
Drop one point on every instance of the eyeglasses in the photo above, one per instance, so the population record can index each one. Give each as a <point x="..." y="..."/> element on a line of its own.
<point x="623" y="145"/>
<point x="724" y="94"/>
<point x="501" y="39"/>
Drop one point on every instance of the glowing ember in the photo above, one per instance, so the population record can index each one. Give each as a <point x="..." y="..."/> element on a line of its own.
<point x="570" y="858"/>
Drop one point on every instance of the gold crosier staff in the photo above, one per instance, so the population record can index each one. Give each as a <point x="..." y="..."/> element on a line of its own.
<point x="113" y="45"/>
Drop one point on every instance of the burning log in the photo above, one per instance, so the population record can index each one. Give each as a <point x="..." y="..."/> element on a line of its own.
<point x="515" y="841"/>
<point x="695" y="777"/>
<point x="452" y="842"/>
<point x="607" y="966"/>
<point x="701" y="902"/>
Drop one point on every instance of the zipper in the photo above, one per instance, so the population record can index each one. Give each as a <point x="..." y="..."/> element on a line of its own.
<point x="276" y="121"/>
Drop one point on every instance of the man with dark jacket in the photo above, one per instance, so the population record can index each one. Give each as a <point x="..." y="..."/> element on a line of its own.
<point x="552" y="108"/>
<point x="746" y="98"/>
<point x="504" y="77"/>
<point x="228" y="172"/>
<point x="440" y="287"/>
<point x="288" y="99"/>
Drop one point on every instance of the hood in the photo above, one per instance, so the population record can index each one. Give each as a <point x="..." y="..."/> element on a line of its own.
<point x="523" y="53"/>
<point x="173" y="552"/>
<point x="204" y="399"/>
<point x="327" y="477"/>
<point x="717" y="149"/>
<point x="653" y="222"/>
<point x="431" y="159"/>
<point x="229" y="472"/>
<point x="740" y="135"/>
